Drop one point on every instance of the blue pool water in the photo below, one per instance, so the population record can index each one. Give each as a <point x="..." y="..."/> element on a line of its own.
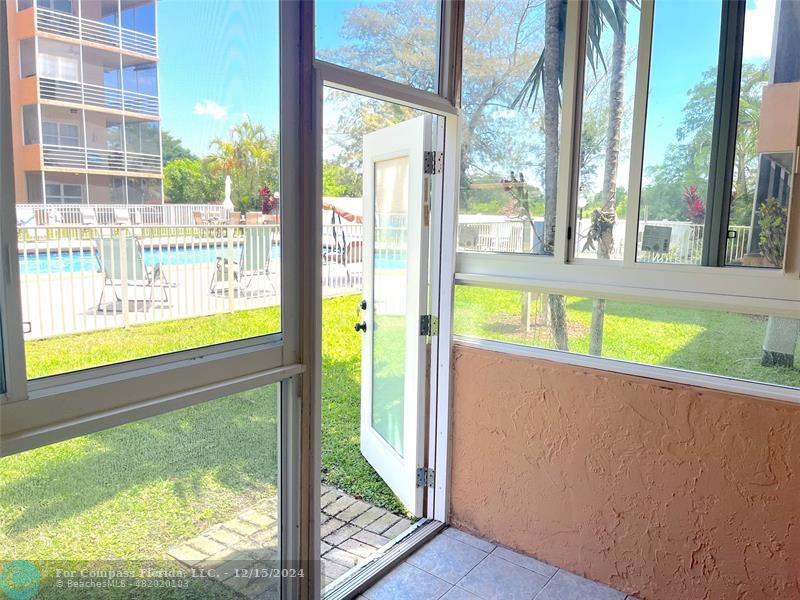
<point x="78" y="261"/>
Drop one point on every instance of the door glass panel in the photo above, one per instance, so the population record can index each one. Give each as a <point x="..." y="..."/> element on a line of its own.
<point x="391" y="273"/>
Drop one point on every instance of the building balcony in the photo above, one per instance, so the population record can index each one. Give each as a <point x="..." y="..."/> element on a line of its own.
<point x="96" y="95"/>
<point x="68" y="25"/>
<point x="99" y="159"/>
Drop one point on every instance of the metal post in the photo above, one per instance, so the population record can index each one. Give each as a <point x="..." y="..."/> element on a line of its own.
<point x="229" y="267"/>
<point x="123" y="262"/>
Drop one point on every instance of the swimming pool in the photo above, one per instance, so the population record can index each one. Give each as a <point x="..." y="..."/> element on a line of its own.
<point x="83" y="261"/>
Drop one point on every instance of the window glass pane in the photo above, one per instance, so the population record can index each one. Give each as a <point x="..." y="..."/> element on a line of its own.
<point x="397" y="40"/>
<point x="510" y="129"/>
<point x="163" y="256"/>
<point x="765" y="142"/>
<point x="751" y="347"/>
<point x="609" y="86"/>
<point x="197" y="487"/>
<point x="680" y="115"/>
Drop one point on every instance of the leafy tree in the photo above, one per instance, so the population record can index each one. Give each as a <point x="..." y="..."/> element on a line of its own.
<point x="189" y="181"/>
<point x="249" y="157"/>
<point x="687" y="161"/>
<point x="173" y="149"/>
<point x="340" y="181"/>
<point x="396" y="40"/>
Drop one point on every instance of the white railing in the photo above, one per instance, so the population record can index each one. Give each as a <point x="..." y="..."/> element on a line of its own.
<point x="78" y="278"/>
<point x="143" y="163"/>
<point x="97" y="95"/>
<point x="686" y="239"/>
<point x="60" y="89"/>
<point x="64" y="156"/>
<point x="69" y="25"/>
<point x="106" y="214"/>
<point x="100" y="158"/>
<point x="141" y="103"/>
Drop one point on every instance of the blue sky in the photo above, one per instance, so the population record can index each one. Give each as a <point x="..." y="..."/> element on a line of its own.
<point x="685" y="44"/>
<point x="219" y="61"/>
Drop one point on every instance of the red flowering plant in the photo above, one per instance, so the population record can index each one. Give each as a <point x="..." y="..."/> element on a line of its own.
<point x="268" y="200"/>
<point x="695" y="207"/>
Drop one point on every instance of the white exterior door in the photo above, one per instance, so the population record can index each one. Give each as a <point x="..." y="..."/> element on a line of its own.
<point x="395" y="296"/>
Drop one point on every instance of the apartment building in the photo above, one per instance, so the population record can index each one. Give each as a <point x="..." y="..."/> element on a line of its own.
<point x="84" y="100"/>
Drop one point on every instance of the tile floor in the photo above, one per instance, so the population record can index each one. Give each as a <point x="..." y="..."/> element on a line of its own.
<point x="458" y="566"/>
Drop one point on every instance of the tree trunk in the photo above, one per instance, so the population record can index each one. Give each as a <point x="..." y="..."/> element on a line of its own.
<point x="552" y="106"/>
<point x="616" y="106"/>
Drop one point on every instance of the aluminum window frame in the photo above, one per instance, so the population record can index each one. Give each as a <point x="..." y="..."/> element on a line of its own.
<point x="767" y="291"/>
<point x="57" y="407"/>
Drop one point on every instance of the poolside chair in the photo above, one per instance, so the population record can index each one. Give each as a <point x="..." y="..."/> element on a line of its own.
<point x="338" y="250"/>
<point x="108" y="252"/>
<point x="198" y="218"/>
<point x="88" y="216"/>
<point x="122" y="216"/>
<point x="253" y="261"/>
<point x="26" y="217"/>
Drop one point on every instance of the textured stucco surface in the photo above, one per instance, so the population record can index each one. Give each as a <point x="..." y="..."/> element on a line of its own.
<point x="661" y="490"/>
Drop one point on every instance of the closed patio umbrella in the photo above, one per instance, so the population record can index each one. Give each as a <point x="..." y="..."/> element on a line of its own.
<point x="227" y="204"/>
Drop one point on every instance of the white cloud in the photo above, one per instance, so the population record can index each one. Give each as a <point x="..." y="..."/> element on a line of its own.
<point x="210" y="108"/>
<point x="758" y="24"/>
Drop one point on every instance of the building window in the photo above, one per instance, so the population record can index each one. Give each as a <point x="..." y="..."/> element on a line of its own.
<point x="30" y="124"/>
<point x="142" y="137"/>
<point x="60" y="134"/>
<point x="63" y="193"/>
<point x="141" y="79"/>
<point x="140" y="18"/>
<point x="56" y="66"/>
<point x="64" y="6"/>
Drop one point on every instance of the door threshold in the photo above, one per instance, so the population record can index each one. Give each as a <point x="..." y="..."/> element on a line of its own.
<point x="363" y="575"/>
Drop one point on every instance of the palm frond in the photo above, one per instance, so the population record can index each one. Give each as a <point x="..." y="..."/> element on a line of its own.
<point x="602" y="14"/>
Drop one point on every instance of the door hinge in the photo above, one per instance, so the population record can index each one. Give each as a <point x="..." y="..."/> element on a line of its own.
<point x="433" y="162"/>
<point x="425" y="477"/>
<point x="428" y="325"/>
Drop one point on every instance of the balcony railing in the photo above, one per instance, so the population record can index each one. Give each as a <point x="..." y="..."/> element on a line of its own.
<point x="65" y="24"/>
<point x="100" y="158"/>
<point x="97" y="95"/>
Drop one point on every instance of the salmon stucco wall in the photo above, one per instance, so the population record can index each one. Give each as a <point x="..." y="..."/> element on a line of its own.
<point x="661" y="490"/>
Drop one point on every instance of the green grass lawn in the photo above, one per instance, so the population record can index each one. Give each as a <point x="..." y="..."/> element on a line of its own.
<point x="133" y="491"/>
<point x="696" y="340"/>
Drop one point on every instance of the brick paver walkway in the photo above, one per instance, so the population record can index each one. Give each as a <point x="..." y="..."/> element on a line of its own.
<point x="351" y="531"/>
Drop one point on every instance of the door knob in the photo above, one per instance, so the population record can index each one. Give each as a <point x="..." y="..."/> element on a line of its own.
<point x="361" y="326"/>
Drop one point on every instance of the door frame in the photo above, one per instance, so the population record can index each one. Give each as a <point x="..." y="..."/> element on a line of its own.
<point x="441" y="256"/>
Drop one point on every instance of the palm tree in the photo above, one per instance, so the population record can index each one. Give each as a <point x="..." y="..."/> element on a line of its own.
<point x="546" y="78"/>
<point x="243" y="157"/>
<point x="608" y="213"/>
